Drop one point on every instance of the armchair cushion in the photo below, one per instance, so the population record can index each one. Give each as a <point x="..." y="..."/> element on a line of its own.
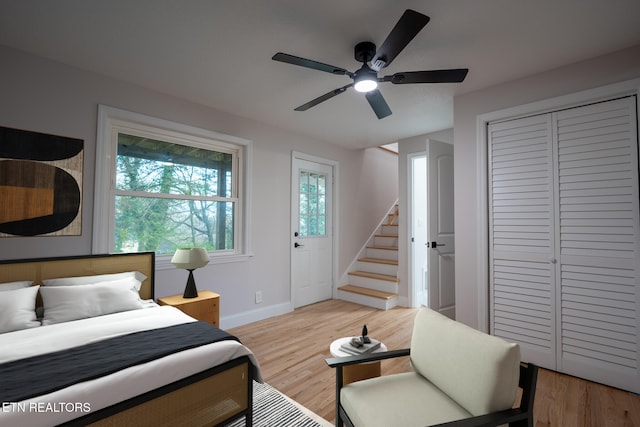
<point x="406" y="400"/>
<point x="478" y="371"/>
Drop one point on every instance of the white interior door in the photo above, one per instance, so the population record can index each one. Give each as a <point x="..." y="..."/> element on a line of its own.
<point x="522" y="247"/>
<point x="311" y="231"/>
<point x="598" y="243"/>
<point x="441" y="260"/>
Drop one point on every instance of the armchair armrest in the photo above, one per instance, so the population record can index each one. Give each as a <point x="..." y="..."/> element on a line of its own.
<point x="490" y="420"/>
<point x="335" y="362"/>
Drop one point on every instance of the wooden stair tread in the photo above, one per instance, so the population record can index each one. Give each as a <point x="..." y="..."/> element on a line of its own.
<point x="386" y="235"/>
<point x="379" y="261"/>
<point x="374" y="276"/>
<point x="368" y="292"/>
<point x="389" y="248"/>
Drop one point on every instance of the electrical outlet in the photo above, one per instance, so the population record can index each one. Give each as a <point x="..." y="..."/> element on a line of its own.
<point x="258" y="297"/>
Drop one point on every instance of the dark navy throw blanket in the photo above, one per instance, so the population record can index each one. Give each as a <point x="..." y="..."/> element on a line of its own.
<point x="34" y="376"/>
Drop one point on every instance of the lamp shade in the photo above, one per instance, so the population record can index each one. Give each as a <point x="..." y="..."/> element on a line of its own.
<point x="190" y="258"/>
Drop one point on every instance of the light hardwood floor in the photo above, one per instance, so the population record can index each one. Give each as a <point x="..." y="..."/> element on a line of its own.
<point x="292" y="348"/>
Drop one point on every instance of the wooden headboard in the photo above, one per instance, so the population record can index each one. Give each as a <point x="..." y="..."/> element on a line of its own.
<point x="40" y="269"/>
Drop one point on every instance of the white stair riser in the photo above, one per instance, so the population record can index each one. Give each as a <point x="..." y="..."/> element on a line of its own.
<point x="379" y="303"/>
<point x="385" y="240"/>
<point x="374" y="267"/>
<point x="382" y="253"/>
<point x="377" y="284"/>
<point x="389" y="229"/>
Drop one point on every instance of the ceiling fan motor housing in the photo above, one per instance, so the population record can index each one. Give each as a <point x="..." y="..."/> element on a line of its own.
<point x="364" y="51"/>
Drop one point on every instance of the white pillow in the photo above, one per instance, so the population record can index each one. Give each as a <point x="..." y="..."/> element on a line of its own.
<point x="86" y="280"/>
<point x="18" y="309"/>
<point x="12" y="286"/>
<point x="65" y="303"/>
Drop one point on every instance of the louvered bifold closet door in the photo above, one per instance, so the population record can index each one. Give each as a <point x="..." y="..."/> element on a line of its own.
<point x="598" y="319"/>
<point x="521" y="236"/>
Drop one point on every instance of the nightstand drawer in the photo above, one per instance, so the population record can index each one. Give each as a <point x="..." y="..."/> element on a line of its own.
<point x="205" y="307"/>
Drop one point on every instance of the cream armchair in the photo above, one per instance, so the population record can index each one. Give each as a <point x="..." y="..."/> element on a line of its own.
<point x="461" y="377"/>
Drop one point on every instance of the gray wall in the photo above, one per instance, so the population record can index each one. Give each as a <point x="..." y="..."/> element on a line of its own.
<point x="45" y="96"/>
<point x="608" y="69"/>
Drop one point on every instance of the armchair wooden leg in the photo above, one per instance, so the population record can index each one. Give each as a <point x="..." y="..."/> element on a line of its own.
<point x="339" y="380"/>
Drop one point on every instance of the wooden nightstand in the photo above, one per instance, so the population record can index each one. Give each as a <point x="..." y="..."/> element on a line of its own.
<point x="205" y="307"/>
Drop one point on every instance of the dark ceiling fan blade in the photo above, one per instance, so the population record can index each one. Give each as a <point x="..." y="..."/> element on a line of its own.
<point x="379" y="105"/>
<point x="455" y="75"/>
<point x="409" y="25"/>
<point x="318" y="100"/>
<point x="308" y="63"/>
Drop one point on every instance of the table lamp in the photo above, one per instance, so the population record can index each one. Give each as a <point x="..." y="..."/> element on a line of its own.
<point x="190" y="259"/>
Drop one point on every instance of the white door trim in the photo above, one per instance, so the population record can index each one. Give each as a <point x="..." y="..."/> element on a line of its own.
<point x="296" y="155"/>
<point x="629" y="87"/>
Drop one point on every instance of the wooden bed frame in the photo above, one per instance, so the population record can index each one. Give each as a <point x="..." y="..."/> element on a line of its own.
<point x="212" y="397"/>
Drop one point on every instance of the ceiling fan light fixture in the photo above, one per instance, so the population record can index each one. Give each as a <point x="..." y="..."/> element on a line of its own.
<point x="365" y="79"/>
<point x="365" y="85"/>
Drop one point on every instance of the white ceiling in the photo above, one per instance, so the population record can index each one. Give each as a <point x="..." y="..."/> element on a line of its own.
<point x="218" y="52"/>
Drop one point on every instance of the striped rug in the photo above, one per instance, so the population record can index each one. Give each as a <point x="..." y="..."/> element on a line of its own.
<point x="272" y="409"/>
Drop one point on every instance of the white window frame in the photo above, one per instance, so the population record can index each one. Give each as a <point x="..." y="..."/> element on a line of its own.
<point x="111" y="122"/>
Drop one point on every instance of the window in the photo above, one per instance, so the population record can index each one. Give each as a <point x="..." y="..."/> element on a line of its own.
<point x="312" y="204"/>
<point x="164" y="186"/>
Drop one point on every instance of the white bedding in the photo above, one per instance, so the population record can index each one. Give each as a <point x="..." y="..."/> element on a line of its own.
<point x="73" y="402"/>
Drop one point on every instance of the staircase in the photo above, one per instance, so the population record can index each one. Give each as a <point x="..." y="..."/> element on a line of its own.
<point x="373" y="278"/>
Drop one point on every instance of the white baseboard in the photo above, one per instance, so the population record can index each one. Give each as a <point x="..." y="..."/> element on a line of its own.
<point x="251" y="316"/>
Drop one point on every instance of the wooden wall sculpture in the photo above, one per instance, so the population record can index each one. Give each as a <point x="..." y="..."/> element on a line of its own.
<point x="40" y="184"/>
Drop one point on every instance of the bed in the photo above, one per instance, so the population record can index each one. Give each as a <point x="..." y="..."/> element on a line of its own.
<point x="56" y="365"/>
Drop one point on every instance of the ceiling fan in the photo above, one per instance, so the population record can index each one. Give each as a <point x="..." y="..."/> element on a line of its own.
<point x="366" y="78"/>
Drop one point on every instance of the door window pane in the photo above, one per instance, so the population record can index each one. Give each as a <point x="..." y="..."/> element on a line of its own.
<point x="312" y="204"/>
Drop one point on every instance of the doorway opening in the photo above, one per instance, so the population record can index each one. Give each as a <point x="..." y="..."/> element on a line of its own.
<point x="418" y="271"/>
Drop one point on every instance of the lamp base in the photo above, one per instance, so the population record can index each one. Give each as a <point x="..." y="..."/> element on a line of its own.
<point x="190" y="290"/>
